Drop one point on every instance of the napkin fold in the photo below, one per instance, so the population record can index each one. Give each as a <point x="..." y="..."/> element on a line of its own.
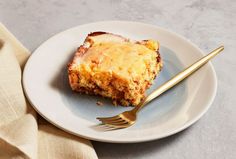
<point x="22" y="135"/>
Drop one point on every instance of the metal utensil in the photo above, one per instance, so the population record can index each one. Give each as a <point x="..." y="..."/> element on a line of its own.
<point x="128" y="118"/>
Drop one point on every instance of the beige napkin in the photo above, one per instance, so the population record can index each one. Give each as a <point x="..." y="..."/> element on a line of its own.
<point x="21" y="136"/>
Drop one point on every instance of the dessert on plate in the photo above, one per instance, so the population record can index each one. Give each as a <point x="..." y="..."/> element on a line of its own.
<point x="115" y="67"/>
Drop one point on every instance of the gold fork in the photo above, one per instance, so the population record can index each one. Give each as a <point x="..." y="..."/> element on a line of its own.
<point x="128" y="118"/>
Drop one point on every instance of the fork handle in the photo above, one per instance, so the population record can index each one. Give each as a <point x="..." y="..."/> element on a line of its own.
<point x="178" y="78"/>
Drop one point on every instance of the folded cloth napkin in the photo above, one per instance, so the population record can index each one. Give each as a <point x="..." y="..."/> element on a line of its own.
<point x="22" y="135"/>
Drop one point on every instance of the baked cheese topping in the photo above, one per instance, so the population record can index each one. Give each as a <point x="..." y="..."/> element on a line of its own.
<point x="124" y="58"/>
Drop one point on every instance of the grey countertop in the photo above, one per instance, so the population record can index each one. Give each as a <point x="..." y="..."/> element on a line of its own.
<point x="207" y="23"/>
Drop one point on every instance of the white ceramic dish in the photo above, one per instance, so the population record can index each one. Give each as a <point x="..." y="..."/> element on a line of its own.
<point x="46" y="86"/>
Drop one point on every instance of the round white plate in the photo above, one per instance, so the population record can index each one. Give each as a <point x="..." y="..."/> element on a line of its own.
<point x="46" y="86"/>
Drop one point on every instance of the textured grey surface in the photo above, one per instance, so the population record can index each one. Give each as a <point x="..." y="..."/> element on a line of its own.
<point x="207" y="23"/>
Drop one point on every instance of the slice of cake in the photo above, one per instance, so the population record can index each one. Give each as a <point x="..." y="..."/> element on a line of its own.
<point x="115" y="67"/>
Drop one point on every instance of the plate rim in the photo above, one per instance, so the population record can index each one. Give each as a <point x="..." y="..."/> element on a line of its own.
<point x="147" y="138"/>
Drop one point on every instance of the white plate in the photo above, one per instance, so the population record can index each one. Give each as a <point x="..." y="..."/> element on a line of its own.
<point x="46" y="86"/>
